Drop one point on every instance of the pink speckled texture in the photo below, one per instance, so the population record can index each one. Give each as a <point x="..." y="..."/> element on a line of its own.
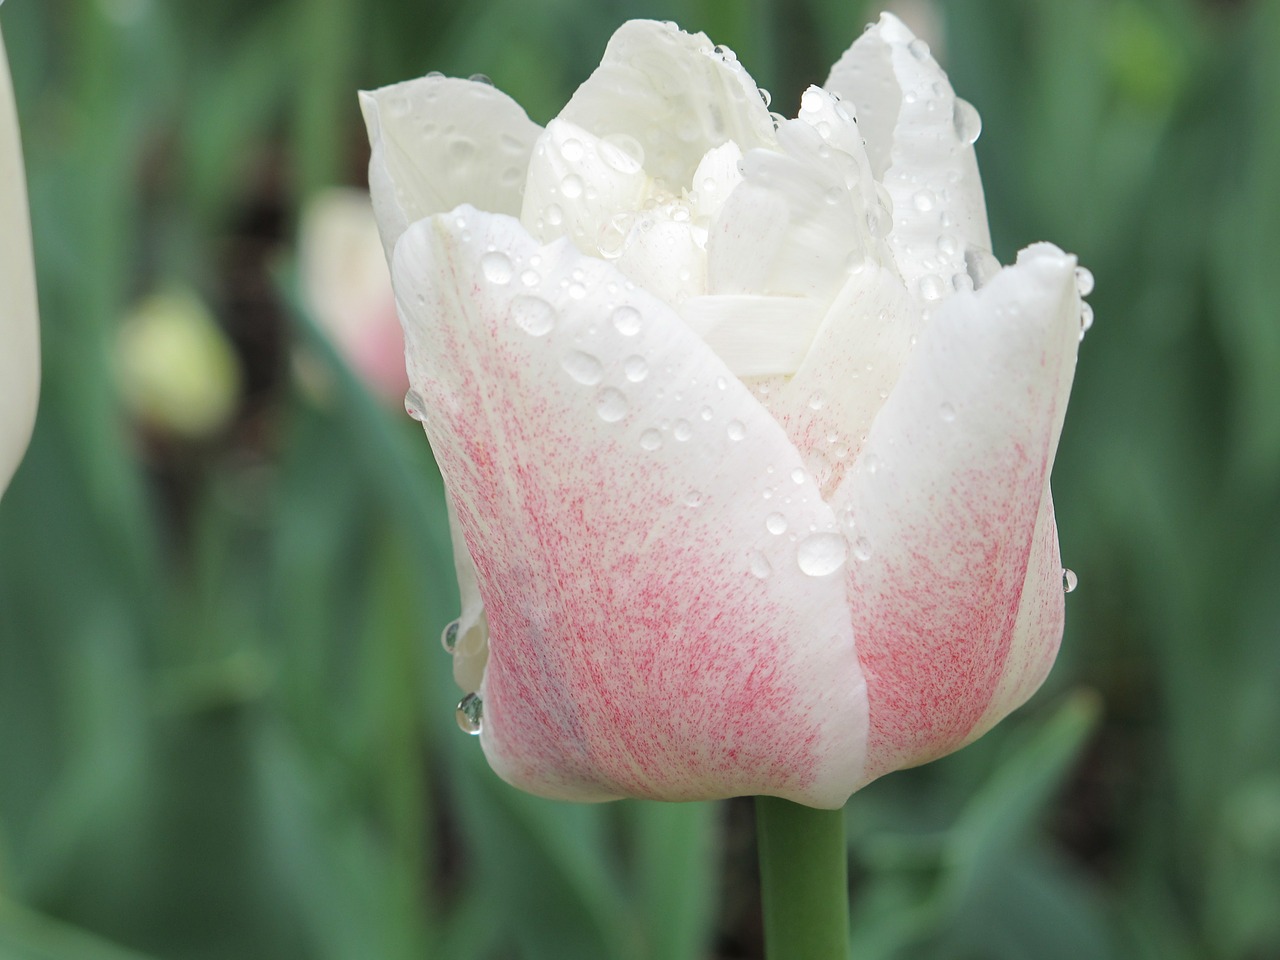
<point x="632" y="650"/>
<point x="945" y="498"/>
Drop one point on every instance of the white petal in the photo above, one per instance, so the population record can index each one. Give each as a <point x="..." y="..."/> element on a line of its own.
<point x="577" y="185"/>
<point x="673" y="94"/>
<point x="438" y="142"/>
<point x="850" y="365"/>
<point x="19" y="333"/>
<point x="920" y="143"/>
<point x="948" y="502"/>
<point x="652" y="631"/>
<point x="665" y="257"/>
<point x="714" y="180"/>
<point x="755" y="336"/>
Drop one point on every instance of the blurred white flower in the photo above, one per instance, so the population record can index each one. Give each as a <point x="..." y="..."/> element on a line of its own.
<point x="346" y="288"/>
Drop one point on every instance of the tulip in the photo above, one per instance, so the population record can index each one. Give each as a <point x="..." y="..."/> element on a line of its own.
<point x="746" y="434"/>
<point x="19" y="335"/>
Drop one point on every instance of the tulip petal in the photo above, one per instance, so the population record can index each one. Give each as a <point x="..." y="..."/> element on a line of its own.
<point x="440" y="141"/>
<point x="949" y="510"/>
<point x="19" y="334"/>
<point x="642" y="529"/>
<point x="672" y="94"/>
<point x="851" y="364"/>
<point x="920" y="142"/>
<point x="577" y="185"/>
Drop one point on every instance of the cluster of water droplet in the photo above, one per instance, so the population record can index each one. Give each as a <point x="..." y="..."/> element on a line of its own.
<point x="1084" y="287"/>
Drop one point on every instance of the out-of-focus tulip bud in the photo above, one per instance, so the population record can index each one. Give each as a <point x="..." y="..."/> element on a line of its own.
<point x="177" y="372"/>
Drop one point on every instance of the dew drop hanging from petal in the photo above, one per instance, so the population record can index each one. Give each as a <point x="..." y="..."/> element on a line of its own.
<point x="470" y="714"/>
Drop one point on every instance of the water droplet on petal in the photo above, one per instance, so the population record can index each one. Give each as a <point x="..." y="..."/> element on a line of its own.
<point x="760" y="566"/>
<point x="821" y="554"/>
<point x="693" y="499"/>
<point x="651" y="440"/>
<point x="554" y="215"/>
<point x="862" y="548"/>
<point x="530" y="278"/>
<point x="627" y="320"/>
<point x="571" y="186"/>
<point x="496" y="267"/>
<point x="533" y="315"/>
<point x="924" y="200"/>
<point x="571" y="150"/>
<point x="918" y="49"/>
<point x="635" y="368"/>
<point x="736" y="430"/>
<point x="611" y="405"/>
<point x="1086" y="319"/>
<point x="415" y="406"/>
<point x="449" y="637"/>
<point x="1084" y="281"/>
<point x="766" y="96"/>
<point x="947" y="411"/>
<point x="776" y="524"/>
<point x="817" y="401"/>
<point x="583" y="367"/>
<point x="966" y="120"/>
<point x="932" y="287"/>
<point x="480" y="78"/>
<point x="797" y="476"/>
<point x="683" y="430"/>
<point x="470" y="714"/>
<point x="1069" y="580"/>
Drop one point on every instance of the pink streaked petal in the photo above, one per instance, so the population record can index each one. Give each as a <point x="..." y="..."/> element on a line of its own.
<point x="945" y="502"/>
<point x="649" y="635"/>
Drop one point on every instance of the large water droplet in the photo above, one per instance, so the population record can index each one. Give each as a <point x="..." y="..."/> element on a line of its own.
<point x="776" y="524"/>
<point x="1086" y="319"/>
<point x="533" y="315"/>
<point x="821" y="554"/>
<point x="571" y="186"/>
<point x="918" y="49"/>
<point x="415" y="406"/>
<point x="932" y="286"/>
<point x="470" y="714"/>
<point x="1069" y="580"/>
<point x="572" y="150"/>
<point x="760" y="566"/>
<point x="635" y="368"/>
<point x="736" y="430"/>
<point x="583" y="367"/>
<point x="967" y="122"/>
<point x="480" y="78"/>
<point x="554" y="215"/>
<point x="1084" y="281"/>
<point x="449" y="637"/>
<point x="496" y="267"/>
<point x="611" y="405"/>
<point x="924" y="200"/>
<point x="683" y="430"/>
<point x="627" y="320"/>
<point x="651" y="440"/>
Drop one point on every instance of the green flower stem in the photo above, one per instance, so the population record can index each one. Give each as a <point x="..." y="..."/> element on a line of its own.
<point x="804" y="880"/>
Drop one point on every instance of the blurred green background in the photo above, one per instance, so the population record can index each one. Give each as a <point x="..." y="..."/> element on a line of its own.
<point x="226" y="726"/>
